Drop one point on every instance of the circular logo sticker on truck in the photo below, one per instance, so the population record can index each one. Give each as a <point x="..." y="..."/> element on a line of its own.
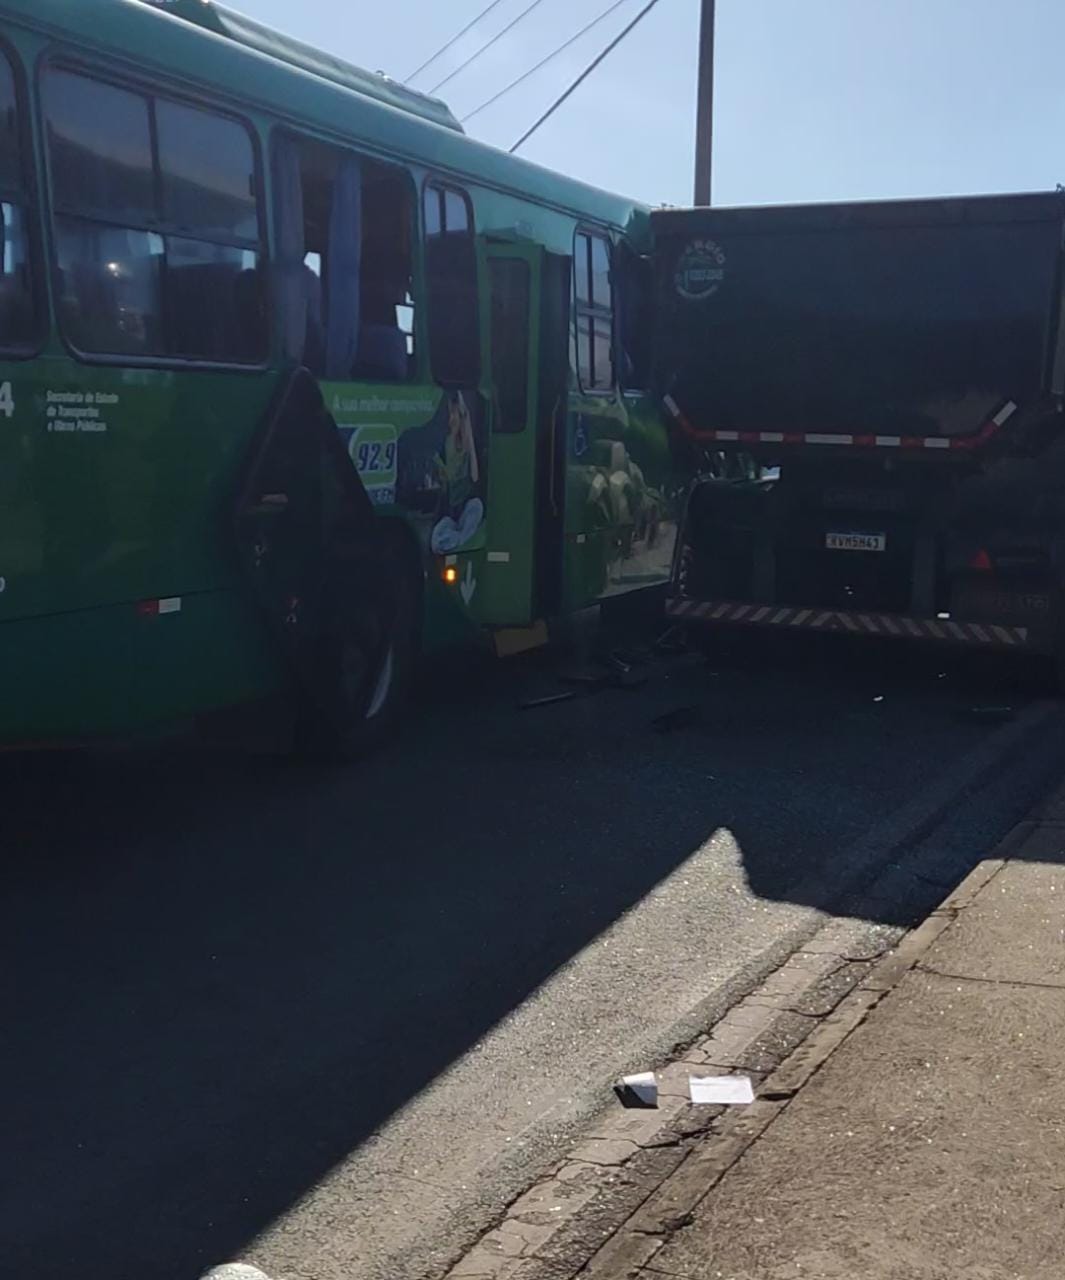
<point x="700" y="270"/>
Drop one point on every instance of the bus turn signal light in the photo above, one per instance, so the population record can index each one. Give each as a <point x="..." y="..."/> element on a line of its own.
<point x="451" y="574"/>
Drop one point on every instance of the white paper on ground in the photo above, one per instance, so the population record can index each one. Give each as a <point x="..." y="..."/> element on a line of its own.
<point x="730" y="1090"/>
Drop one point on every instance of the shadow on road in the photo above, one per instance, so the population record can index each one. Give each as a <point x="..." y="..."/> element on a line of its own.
<point x="228" y="972"/>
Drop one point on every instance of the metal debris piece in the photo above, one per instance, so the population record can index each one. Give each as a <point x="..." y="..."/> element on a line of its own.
<point x="591" y="680"/>
<point x="671" y="641"/>
<point x="530" y="704"/>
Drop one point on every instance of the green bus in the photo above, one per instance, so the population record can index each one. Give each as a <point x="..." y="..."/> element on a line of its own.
<point x="296" y="380"/>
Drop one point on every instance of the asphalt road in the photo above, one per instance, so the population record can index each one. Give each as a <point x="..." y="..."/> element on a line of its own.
<point x="331" y="1021"/>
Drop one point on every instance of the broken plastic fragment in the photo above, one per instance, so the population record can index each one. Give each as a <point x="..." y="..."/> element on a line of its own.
<point x="639" y="1090"/>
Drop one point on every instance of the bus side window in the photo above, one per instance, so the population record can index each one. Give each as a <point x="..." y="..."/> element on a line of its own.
<point x="386" y="332"/>
<point x="594" y="311"/>
<point x="157" y="231"/>
<point x="345" y="261"/>
<point x="635" y="311"/>
<point x="451" y="271"/>
<point x="18" y="323"/>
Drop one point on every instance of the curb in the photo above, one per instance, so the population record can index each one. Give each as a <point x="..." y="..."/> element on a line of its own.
<point x="675" y="1201"/>
<point x="637" y="1175"/>
<point x="626" y="1160"/>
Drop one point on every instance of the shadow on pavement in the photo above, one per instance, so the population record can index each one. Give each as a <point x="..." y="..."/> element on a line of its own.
<point x="226" y="972"/>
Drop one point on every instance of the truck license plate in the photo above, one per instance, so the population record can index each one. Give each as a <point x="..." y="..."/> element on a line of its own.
<point x="856" y="541"/>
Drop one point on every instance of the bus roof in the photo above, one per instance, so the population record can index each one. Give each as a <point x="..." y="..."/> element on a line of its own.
<point x="247" y="64"/>
<point x="256" y="35"/>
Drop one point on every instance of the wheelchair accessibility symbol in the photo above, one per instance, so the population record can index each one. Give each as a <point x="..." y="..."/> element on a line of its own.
<point x="580" y="440"/>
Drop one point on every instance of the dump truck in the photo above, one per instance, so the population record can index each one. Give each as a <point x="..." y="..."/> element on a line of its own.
<point x="874" y="392"/>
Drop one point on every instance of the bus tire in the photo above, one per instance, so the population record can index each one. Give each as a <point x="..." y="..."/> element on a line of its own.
<point x="372" y="690"/>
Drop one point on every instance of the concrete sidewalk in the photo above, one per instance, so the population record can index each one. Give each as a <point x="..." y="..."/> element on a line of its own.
<point x="931" y="1142"/>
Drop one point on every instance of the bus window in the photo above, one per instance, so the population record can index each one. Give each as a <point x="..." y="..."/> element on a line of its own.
<point x="110" y="296"/>
<point x="594" y="312"/>
<point x="208" y="173"/>
<point x="451" y="270"/>
<point x="345" y="262"/>
<point x="100" y="139"/>
<point x="10" y="145"/>
<point x="635" y="312"/>
<point x="157" y="233"/>
<point x="386" y="337"/>
<point x="17" y="319"/>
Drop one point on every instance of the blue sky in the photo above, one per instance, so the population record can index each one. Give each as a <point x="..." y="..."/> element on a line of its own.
<point x="816" y="99"/>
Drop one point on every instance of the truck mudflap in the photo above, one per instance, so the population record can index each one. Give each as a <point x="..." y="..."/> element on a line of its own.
<point x="892" y="626"/>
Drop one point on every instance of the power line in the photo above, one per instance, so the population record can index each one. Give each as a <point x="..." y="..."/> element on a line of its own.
<point x="454" y="40"/>
<point x="486" y="46"/>
<point x="584" y="75"/>
<point x="544" y="61"/>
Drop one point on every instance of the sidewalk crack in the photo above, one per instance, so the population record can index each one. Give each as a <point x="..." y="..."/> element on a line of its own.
<point x="989" y="982"/>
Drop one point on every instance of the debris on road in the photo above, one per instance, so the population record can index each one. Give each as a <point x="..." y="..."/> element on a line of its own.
<point x="993" y="715"/>
<point x="628" y="679"/>
<point x="639" y="1090"/>
<point x="730" y="1091"/>
<point x="530" y="704"/>
<point x="639" y="656"/>
<point x="591" y="680"/>
<point x="677" y="718"/>
<point x="621" y="675"/>
<point x="671" y="642"/>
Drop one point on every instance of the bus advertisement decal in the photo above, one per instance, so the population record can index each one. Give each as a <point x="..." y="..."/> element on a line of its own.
<point x="422" y="450"/>
<point x="373" y="450"/>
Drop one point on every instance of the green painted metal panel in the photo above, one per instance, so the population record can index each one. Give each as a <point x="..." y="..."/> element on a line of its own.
<point x="115" y="669"/>
<point x="116" y="483"/>
<point x="514" y="281"/>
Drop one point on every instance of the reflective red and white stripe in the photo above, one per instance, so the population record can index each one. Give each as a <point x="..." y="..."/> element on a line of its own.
<point x="899" y="626"/>
<point x="859" y="441"/>
<point x="157" y="608"/>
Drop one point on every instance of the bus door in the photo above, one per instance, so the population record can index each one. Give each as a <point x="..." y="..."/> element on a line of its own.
<point x="556" y="289"/>
<point x="508" y="586"/>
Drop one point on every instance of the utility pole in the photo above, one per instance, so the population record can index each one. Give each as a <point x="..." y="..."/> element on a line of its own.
<point x="704" y="119"/>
